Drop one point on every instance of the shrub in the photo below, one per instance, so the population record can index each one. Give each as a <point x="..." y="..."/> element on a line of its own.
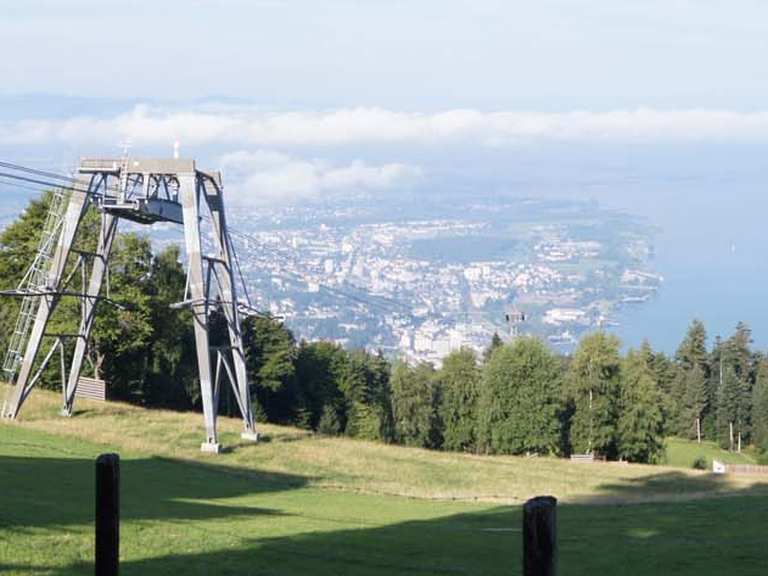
<point x="329" y="422"/>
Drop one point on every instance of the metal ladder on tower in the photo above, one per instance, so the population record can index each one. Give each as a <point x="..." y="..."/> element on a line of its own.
<point x="34" y="281"/>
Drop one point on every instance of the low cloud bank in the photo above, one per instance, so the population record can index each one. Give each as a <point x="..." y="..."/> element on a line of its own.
<point x="284" y="156"/>
<point x="243" y="126"/>
<point x="268" y="176"/>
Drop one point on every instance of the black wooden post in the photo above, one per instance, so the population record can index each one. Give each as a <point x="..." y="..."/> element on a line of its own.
<point x="107" y="514"/>
<point x="540" y="536"/>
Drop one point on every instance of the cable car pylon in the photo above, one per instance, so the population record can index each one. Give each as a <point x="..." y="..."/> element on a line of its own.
<point x="144" y="191"/>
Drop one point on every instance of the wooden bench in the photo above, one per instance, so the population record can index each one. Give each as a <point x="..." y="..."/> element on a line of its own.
<point x="585" y="458"/>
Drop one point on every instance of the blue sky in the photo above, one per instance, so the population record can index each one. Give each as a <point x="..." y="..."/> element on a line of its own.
<point x="417" y="55"/>
<point x="296" y="98"/>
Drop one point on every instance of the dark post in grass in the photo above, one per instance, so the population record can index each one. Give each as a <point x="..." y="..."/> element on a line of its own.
<point x="540" y="536"/>
<point x="107" y="514"/>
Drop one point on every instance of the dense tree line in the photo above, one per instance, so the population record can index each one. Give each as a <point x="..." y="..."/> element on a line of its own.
<point x="516" y="398"/>
<point x="520" y="397"/>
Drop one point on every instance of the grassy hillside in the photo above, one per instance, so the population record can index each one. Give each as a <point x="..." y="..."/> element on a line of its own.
<point x="369" y="467"/>
<point x="683" y="453"/>
<point x="298" y="504"/>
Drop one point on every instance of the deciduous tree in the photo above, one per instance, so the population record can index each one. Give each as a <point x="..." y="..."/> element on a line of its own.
<point x="414" y="405"/>
<point x="460" y="384"/>
<point x="520" y="399"/>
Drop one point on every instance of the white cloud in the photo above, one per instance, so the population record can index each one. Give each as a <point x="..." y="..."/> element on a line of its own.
<point x="243" y="126"/>
<point x="267" y="176"/>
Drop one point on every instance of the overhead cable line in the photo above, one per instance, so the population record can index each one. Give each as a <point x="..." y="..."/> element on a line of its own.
<point x="36" y="171"/>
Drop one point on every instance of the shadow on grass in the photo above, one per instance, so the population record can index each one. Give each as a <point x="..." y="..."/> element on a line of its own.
<point x="482" y="543"/>
<point x="703" y="537"/>
<point x="21" y="569"/>
<point x="671" y="486"/>
<point x="60" y="491"/>
<point x="682" y="536"/>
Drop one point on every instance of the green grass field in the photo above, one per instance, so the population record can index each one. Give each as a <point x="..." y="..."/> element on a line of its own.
<point x="300" y="504"/>
<point x="683" y="453"/>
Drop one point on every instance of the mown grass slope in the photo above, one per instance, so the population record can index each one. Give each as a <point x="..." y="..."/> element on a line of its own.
<point x="369" y="467"/>
<point x="684" y="453"/>
<point x="299" y="504"/>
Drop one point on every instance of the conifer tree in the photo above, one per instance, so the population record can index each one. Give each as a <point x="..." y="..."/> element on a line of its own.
<point x="381" y="395"/>
<point x="664" y="373"/>
<point x="593" y="388"/>
<point x="496" y="343"/>
<point x="760" y="408"/>
<point x="732" y="409"/>
<point x="364" y="381"/>
<point x="692" y="372"/>
<point x="692" y="351"/>
<point x="739" y="352"/>
<point x="318" y="369"/>
<point x="727" y="400"/>
<point x="270" y="354"/>
<point x="694" y="403"/>
<point x="735" y="393"/>
<point x="329" y="423"/>
<point x="640" y="424"/>
<point x="714" y="382"/>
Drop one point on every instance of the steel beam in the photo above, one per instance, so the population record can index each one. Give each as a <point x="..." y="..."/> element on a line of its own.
<point x="78" y="203"/>
<point x="107" y="235"/>
<point x="222" y="266"/>
<point x="189" y="195"/>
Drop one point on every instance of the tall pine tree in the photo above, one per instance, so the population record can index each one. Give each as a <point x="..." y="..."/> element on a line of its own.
<point x="364" y="380"/>
<point x="690" y="383"/>
<point x="760" y="408"/>
<point x="593" y="388"/>
<point x="640" y="424"/>
<point x="735" y="391"/>
<point x="694" y="403"/>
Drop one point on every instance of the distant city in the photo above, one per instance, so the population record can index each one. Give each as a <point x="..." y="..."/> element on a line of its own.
<point x="417" y="287"/>
<point x="365" y="276"/>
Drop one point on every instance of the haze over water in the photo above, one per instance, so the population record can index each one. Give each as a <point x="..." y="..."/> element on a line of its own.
<point x="710" y="204"/>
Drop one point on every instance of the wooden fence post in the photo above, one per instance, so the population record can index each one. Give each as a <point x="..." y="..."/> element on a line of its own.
<point x="540" y="536"/>
<point x="107" y="515"/>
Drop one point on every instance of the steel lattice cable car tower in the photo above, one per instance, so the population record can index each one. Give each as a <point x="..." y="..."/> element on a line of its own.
<point x="145" y="191"/>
